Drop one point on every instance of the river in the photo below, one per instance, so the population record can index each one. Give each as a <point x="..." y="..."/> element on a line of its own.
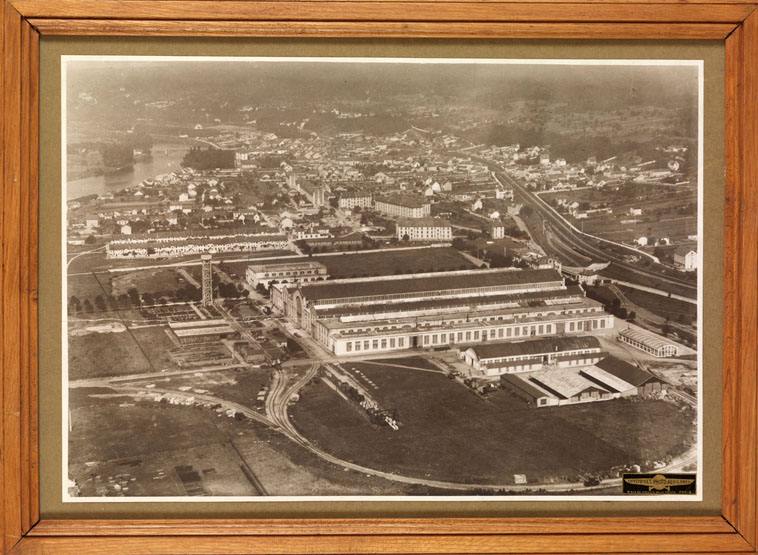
<point x="166" y="159"/>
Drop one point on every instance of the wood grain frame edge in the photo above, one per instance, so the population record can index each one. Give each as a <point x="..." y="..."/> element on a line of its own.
<point x="20" y="514"/>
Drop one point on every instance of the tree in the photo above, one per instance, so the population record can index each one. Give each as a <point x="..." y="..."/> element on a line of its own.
<point x="90" y="240"/>
<point x="133" y="296"/>
<point x="74" y="304"/>
<point x="87" y="306"/>
<point x="632" y="316"/>
<point x="406" y="238"/>
<point x="148" y="298"/>
<point x="100" y="303"/>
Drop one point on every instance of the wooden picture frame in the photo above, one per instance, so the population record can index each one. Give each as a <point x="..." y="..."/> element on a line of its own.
<point x="23" y="21"/>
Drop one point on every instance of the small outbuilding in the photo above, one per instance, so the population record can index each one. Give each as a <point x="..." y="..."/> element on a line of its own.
<point x="649" y="343"/>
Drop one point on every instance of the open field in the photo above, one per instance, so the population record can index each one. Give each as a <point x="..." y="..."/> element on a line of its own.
<point x="97" y="262"/>
<point x="657" y="441"/>
<point x="660" y="305"/>
<point x="395" y="262"/>
<point x="146" y="442"/>
<point x="614" y="271"/>
<point x="661" y="212"/>
<point x="159" y="449"/>
<point x="158" y="280"/>
<point x="108" y="431"/>
<point x="676" y="229"/>
<point x="384" y="263"/>
<point x="104" y="354"/>
<point x="449" y="433"/>
<point x="87" y="286"/>
<point x="156" y="344"/>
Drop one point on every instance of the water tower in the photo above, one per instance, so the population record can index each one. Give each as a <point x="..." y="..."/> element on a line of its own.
<point x="207" y="279"/>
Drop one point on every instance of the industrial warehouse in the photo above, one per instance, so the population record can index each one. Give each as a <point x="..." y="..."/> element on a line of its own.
<point x="265" y="274"/>
<point x="648" y="343"/>
<point x="443" y="309"/>
<point x="575" y="371"/>
<point x="492" y="359"/>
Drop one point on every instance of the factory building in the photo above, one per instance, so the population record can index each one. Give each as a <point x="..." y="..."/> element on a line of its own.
<point x="629" y="380"/>
<point x="201" y="331"/>
<point x="492" y="359"/>
<point x="439" y="310"/>
<point x="600" y="379"/>
<point x="424" y="229"/>
<point x="285" y="272"/>
<point x="648" y="343"/>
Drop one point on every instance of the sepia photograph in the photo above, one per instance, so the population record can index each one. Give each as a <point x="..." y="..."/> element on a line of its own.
<point x="381" y="278"/>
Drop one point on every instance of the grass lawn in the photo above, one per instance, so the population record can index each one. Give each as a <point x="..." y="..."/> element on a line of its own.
<point x="148" y="439"/>
<point x="86" y="286"/>
<point x="156" y="344"/>
<point x="97" y="355"/>
<point x="660" y="305"/>
<point x="619" y="423"/>
<point x="601" y="293"/>
<point x="104" y="432"/>
<point x="152" y="281"/>
<point x="395" y="261"/>
<point x="449" y="433"/>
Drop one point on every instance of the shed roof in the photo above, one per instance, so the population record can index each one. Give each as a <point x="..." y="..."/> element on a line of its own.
<point x="535" y="347"/>
<point x="525" y="386"/>
<point x="627" y="372"/>
<point x="481" y="278"/>
<point x="566" y="382"/>
<point x="652" y="341"/>
<point x="608" y="380"/>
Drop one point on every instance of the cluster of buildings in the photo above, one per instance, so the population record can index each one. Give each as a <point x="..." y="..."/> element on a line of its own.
<point x="172" y="244"/>
<point x="560" y="371"/>
<point x="438" y="310"/>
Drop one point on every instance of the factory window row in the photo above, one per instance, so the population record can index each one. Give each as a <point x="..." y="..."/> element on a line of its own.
<point x="586" y="325"/>
<point x="290" y="273"/>
<point x="375" y="344"/>
<point x="493" y="333"/>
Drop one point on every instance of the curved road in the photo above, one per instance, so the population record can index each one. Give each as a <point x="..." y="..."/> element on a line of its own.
<point x="279" y="421"/>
